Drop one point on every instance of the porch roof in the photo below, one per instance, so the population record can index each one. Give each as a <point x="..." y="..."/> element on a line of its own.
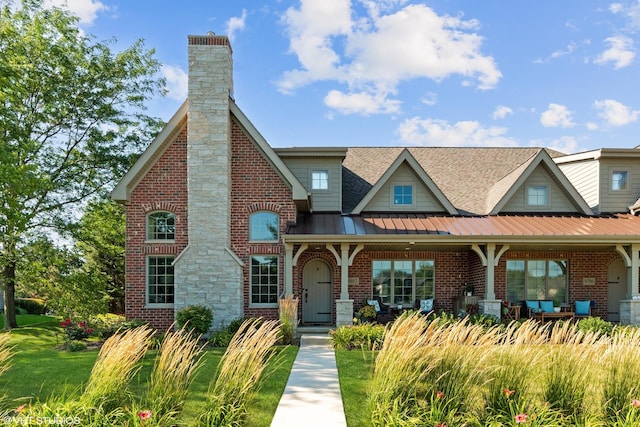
<point x="617" y="229"/>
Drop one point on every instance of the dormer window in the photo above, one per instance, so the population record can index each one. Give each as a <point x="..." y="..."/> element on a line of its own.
<point x="402" y="195"/>
<point x="619" y="180"/>
<point x="320" y="180"/>
<point x="538" y="196"/>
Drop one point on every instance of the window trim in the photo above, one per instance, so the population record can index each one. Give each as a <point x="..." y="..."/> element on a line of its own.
<point x="326" y="176"/>
<point x="628" y="186"/>
<point x="250" y="275"/>
<point x="277" y="218"/>
<point x="393" y="192"/>
<point x="547" y="205"/>
<point x="148" y="304"/>
<point x="146" y="227"/>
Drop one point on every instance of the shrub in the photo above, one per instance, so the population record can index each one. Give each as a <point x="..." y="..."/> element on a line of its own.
<point x="75" y="331"/>
<point x="222" y="338"/>
<point x="195" y="318"/>
<point x="366" y="335"/>
<point x="74" y="346"/>
<point x="32" y="305"/>
<point x="595" y="325"/>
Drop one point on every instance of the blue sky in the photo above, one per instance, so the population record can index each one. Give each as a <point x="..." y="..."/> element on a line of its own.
<point x="561" y="74"/>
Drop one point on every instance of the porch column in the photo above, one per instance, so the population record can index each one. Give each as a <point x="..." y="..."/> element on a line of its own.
<point x="344" y="271"/>
<point x="288" y="269"/>
<point x="632" y="290"/>
<point x="489" y="291"/>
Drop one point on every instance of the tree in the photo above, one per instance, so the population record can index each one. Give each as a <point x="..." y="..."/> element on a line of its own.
<point x="70" y="123"/>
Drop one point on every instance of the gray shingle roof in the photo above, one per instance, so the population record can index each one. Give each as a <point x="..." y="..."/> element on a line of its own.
<point x="471" y="178"/>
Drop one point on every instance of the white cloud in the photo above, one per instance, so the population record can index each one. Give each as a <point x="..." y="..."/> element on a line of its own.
<point x="565" y="144"/>
<point x="430" y="99"/>
<point x="591" y="126"/>
<point x="621" y="52"/>
<point x="235" y="24"/>
<point x="361" y="103"/>
<point x="373" y="54"/>
<point x="439" y="133"/>
<point x="615" y="113"/>
<point x="556" y="116"/>
<point x="86" y="10"/>
<point x="501" y="112"/>
<point x="177" y="82"/>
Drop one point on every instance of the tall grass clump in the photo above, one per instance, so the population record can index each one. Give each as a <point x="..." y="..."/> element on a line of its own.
<point x="5" y="352"/>
<point x="288" y="314"/>
<point x="622" y="377"/>
<point x="117" y="363"/>
<point x="178" y="360"/>
<point x="239" y="371"/>
<point x="512" y="363"/>
<point x="568" y="377"/>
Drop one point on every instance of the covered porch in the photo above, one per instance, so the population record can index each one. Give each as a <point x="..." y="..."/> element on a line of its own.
<point x="600" y="256"/>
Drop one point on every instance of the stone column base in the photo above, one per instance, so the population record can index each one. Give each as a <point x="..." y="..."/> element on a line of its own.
<point x="491" y="307"/>
<point x="344" y="312"/>
<point x="630" y="312"/>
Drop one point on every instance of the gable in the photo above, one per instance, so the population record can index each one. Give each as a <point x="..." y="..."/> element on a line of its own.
<point x="558" y="201"/>
<point x="423" y="198"/>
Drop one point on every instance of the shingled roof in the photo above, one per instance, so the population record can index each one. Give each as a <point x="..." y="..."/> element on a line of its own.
<point x="470" y="178"/>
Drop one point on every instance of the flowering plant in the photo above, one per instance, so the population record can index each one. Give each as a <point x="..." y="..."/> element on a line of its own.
<point x="75" y="331"/>
<point x="367" y="312"/>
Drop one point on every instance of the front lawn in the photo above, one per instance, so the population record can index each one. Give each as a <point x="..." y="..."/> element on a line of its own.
<point x="39" y="371"/>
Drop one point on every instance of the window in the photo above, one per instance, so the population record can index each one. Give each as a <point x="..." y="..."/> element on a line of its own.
<point x="160" y="280"/>
<point x="161" y="226"/>
<point x="619" y="180"/>
<point x="538" y="195"/>
<point x="264" y="279"/>
<point x="402" y="195"/>
<point x="402" y="282"/>
<point x="537" y="280"/>
<point x="264" y="226"/>
<point x="319" y="180"/>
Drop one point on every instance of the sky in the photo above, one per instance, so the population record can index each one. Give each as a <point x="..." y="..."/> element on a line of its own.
<point x="327" y="73"/>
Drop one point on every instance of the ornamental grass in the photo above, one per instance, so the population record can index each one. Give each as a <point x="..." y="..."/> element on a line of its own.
<point x="179" y="358"/>
<point x="288" y="314"/>
<point x="437" y="373"/>
<point x="239" y="373"/>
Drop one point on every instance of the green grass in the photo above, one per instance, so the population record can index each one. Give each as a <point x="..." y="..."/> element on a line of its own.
<point x="30" y="319"/>
<point x="38" y="371"/>
<point x="354" y="369"/>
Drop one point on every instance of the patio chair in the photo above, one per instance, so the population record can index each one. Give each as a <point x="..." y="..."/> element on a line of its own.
<point x="582" y="309"/>
<point x="424" y="305"/>
<point x="383" y="313"/>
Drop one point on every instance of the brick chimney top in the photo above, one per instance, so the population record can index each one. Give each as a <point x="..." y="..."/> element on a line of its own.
<point x="210" y="39"/>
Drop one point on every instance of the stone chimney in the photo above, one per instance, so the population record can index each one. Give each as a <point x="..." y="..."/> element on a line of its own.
<point x="208" y="148"/>
<point x="207" y="272"/>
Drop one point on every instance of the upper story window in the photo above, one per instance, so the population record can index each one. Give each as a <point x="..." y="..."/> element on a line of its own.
<point x="402" y="195"/>
<point x="161" y="226"/>
<point x="619" y="180"/>
<point x="263" y="226"/>
<point x="538" y="196"/>
<point x="320" y="180"/>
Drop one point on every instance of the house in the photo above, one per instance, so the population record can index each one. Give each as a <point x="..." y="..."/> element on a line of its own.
<point x="217" y="216"/>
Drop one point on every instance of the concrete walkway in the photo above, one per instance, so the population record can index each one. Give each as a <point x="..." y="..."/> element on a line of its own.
<point x="312" y="395"/>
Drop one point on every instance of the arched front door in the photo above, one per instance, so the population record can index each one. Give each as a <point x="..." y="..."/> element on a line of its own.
<point x="617" y="289"/>
<point x="316" y="293"/>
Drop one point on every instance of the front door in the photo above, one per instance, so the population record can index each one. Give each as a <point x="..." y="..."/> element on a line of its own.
<point x="617" y="289"/>
<point x="316" y="293"/>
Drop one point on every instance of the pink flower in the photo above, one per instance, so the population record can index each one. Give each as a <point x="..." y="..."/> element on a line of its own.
<point x="145" y="415"/>
<point x="20" y="408"/>
<point x="508" y="393"/>
<point x="521" y="418"/>
<point x="439" y="395"/>
<point x="635" y="403"/>
<point x="66" y="323"/>
<point x="442" y="424"/>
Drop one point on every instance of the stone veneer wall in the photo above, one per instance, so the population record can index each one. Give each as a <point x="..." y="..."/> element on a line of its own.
<point x="207" y="272"/>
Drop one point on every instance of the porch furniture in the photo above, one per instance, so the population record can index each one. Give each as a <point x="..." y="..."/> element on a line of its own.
<point x="538" y="306"/>
<point x="513" y="312"/>
<point x="464" y="302"/>
<point x="383" y="312"/>
<point x="424" y="305"/>
<point x="582" y="309"/>
<point x="545" y="316"/>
